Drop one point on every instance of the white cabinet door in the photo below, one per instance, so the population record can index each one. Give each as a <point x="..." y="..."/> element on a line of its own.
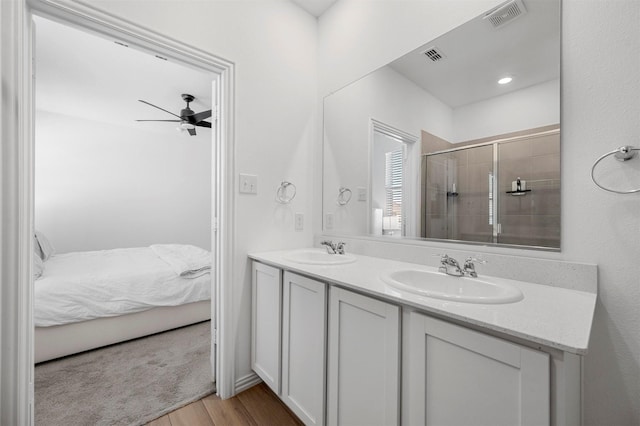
<point x="459" y="376"/>
<point x="266" y="292"/>
<point x="304" y="321"/>
<point x="364" y="363"/>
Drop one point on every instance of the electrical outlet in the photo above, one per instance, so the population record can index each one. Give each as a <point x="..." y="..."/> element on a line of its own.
<point x="248" y="184"/>
<point x="328" y="221"/>
<point x="299" y="221"/>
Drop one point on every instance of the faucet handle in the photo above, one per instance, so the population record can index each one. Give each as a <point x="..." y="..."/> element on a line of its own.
<point x="340" y="247"/>
<point x="469" y="267"/>
<point x="446" y="259"/>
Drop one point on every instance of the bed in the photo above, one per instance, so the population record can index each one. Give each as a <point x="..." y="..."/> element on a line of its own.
<point x="85" y="300"/>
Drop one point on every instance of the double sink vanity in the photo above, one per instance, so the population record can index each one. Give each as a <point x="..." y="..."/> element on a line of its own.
<point x="436" y="152"/>
<point x="354" y="339"/>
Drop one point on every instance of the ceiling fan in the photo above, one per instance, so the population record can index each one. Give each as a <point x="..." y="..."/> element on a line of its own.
<point x="188" y="119"/>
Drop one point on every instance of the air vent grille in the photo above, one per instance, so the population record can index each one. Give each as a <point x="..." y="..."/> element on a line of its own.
<point x="434" y="54"/>
<point x="506" y="13"/>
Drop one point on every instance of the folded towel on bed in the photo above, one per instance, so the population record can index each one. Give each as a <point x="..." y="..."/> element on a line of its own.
<point x="186" y="260"/>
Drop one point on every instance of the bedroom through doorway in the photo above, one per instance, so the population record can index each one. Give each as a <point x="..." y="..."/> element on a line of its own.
<point x="122" y="205"/>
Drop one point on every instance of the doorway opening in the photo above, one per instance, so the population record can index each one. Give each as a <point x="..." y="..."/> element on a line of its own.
<point x="221" y="203"/>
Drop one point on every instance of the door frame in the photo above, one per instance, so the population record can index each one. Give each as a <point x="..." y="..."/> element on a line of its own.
<point x="17" y="169"/>
<point x="411" y="178"/>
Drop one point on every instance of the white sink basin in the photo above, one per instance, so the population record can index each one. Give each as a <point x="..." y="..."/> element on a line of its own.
<point x="457" y="289"/>
<point x="318" y="257"/>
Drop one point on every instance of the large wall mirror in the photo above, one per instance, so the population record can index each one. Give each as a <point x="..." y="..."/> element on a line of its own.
<point x="458" y="140"/>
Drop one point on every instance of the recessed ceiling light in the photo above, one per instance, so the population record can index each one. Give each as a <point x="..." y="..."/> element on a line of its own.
<point x="505" y="80"/>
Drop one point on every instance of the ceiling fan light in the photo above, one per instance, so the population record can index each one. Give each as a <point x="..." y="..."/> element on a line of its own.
<point x="187" y="126"/>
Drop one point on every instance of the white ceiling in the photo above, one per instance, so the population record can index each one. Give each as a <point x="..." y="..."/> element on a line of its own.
<point x="315" y="7"/>
<point x="84" y="75"/>
<point x="477" y="55"/>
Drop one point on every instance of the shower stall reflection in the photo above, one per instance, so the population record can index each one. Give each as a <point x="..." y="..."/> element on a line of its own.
<point x="503" y="191"/>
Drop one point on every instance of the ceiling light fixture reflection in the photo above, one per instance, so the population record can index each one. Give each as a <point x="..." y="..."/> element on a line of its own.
<point x="505" y="80"/>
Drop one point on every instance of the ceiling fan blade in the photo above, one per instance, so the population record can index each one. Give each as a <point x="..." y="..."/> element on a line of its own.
<point x="162" y="109"/>
<point x="173" y="121"/>
<point x="192" y="132"/>
<point x="203" y="124"/>
<point x="200" y="116"/>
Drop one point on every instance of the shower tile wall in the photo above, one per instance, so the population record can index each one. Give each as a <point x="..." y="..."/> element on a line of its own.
<point x="533" y="218"/>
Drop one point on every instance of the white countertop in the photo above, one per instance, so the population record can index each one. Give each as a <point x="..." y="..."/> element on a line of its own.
<point x="556" y="317"/>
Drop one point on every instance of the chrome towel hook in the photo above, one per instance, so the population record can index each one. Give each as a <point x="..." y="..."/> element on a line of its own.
<point x="623" y="153"/>
<point x="283" y="195"/>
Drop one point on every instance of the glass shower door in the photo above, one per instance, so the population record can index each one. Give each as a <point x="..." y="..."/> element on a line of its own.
<point x="458" y="195"/>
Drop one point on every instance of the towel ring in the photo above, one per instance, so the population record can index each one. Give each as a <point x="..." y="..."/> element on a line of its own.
<point x="344" y="196"/>
<point x="623" y="153"/>
<point x="282" y="196"/>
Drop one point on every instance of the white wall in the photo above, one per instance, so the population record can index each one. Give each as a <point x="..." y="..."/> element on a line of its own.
<point x="273" y="44"/>
<point x="101" y="186"/>
<point x="600" y="111"/>
<point x="387" y="96"/>
<point x="528" y="108"/>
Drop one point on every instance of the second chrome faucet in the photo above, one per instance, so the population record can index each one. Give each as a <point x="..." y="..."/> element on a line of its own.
<point x="334" y="248"/>
<point x="450" y="266"/>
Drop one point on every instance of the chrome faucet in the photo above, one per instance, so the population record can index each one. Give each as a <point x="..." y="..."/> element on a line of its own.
<point x="469" y="268"/>
<point x="450" y="266"/>
<point x="333" y="248"/>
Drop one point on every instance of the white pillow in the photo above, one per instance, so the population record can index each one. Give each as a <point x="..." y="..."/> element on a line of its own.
<point x="45" y="247"/>
<point x="38" y="267"/>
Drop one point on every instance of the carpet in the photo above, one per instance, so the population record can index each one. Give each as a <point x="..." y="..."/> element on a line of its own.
<point x="130" y="383"/>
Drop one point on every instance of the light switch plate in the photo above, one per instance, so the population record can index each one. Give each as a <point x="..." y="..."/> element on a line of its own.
<point x="362" y="193"/>
<point x="248" y="184"/>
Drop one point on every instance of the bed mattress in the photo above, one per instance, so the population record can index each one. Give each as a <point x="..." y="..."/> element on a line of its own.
<point x="82" y="286"/>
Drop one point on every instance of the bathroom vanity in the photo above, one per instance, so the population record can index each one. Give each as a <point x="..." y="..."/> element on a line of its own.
<point x="339" y="343"/>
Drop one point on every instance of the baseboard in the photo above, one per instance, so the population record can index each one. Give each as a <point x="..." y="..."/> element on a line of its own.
<point x="246" y="382"/>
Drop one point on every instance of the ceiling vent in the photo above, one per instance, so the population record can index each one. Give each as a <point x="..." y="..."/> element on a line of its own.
<point x="506" y="13"/>
<point x="434" y="54"/>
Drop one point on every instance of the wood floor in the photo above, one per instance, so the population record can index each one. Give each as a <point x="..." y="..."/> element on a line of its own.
<point x="255" y="406"/>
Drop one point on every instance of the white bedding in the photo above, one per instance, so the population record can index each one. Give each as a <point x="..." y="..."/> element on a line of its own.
<point x="185" y="260"/>
<point x="87" y="285"/>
